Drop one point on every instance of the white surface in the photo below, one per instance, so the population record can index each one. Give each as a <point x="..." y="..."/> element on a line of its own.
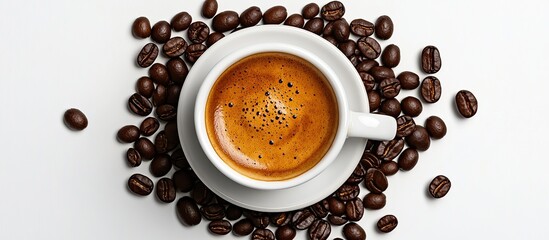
<point x="59" y="184"/>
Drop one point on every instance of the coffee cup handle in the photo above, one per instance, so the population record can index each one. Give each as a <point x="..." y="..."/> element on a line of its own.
<point x="371" y="126"/>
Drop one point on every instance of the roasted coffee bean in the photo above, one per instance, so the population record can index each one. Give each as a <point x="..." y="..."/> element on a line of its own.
<point x="295" y="20"/>
<point x="389" y="87"/>
<point x="263" y="234"/>
<point x="408" y="80"/>
<point x="166" y="112"/>
<point x="179" y="160"/>
<point x="250" y="17"/>
<point x="388" y="168"/>
<point x="159" y="74"/>
<point x="353" y="231"/>
<point x="314" y="25"/>
<point x="159" y="95"/>
<point x="128" y="134"/>
<point x="387" y="223"/>
<point x="353" y="180"/>
<point x="139" y="105"/>
<point x="165" y="191"/>
<point x="172" y="134"/>
<point x="141" y="27"/>
<point x="331" y="40"/>
<point x="374" y="99"/>
<point x="161" y="32"/>
<point x="369" y="160"/>
<point x="384" y="27"/>
<point x="140" y="184"/>
<point x="390" y="107"/>
<point x="243" y="227"/>
<point x="367" y="65"/>
<point x="354" y="59"/>
<point x="201" y="194"/>
<point x="133" y="157"/>
<point x="466" y="103"/>
<point x="369" y="47"/>
<point x="319" y="230"/>
<point x="359" y="170"/>
<point x="354" y="209"/>
<point x="348" y="49"/>
<point x="281" y="219"/>
<point x="328" y="29"/>
<point x="233" y="212"/>
<point x="411" y="106"/>
<point x="362" y="28"/>
<point x="259" y="220"/>
<point x="145" y="148"/>
<point x="225" y="21"/>
<point x="302" y="219"/>
<point x="440" y="186"/>
<point x="174" y="47"/>
<point x="213" y="211"/>
<point x="209" y="8"/>
<point x="408" y="159"/>
<point x="160" y="165"/>
<point x="332" y="11"/>
<point x="347" y="192"/>
<point x="194" y="51"/>
<point x="275" y="15"/>
<point x="213" y="38"/>
<point x="419" y="139"/>
<point x="147" y="55"/>
<point x="390" y="57"/>
<point x="198" y="32"/>
<point x="310" y="10"/>
<point x="183" y="180"/>
<point x="177" y="70"/>
<point x="337" y="220"/>
<point x="286" y="232"/>
<point x="181" y="21"/>
<point x="188" y="211"/>
<point x="405" y="126"/>
<point x="336" y="206"/>
<point x="430" y="60"/>
<point x="341" y="30"/>
<point x="220" y="227"/>
<point x="374" y="201"/>
<point x="318" y="210"/>
<point x="173" y="93"/>
<point x="379" y="73"/>
<point x="431" y="89"/>
<point x="161" y="142"/>
<point x="435" y="127"/>
<point x="375" y="181"/>
<point x="145" y="86"/>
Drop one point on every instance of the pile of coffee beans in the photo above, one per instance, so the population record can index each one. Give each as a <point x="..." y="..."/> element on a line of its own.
<point x="358" y="39"/>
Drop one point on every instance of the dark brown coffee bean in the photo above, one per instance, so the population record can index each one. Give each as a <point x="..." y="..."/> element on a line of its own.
<point x="337" y="220"/>
<point x="209" y="8"/>
<point x="440" y="186"/>
<point x="161" y="32"/>
<point x="466" y="103"/>
<point x="353" y="231"/>
<point x="375" y="181"/>
<point x="165" y="190"/>
<point x="362" y="28"/>
<point x="353" y="180"/>
<point x="213" y="38"/>
<point x="405" y="126"/>
<point x="389" y="87"/>
<point x="139" y="105"/>
<point x="431" y="89"/>
<point x="366" y="65"/>
<point x="145" y="86"/>
<point x="233" y="212"/>
<point x="181" y="21"/>
<point x="359" y="171"/>
<point x="183" y="180"/>
<point x="318" y="210"/>
<point x="281" y="219"/>
<point x="347" y="192"/>
<point x="419" y="139"/>
<point x="354" y="209"/>
<point x="159" y="74"/>
<point x="141" y="27"/>
<point x="379" y="73"/>
<point x="315" y="25"/>
<point x="336" y="206"/>
<point x="250" y="17"/>
<point x="430" y="60"/>
<point x="225" y="21"/>
<point x="390" y="57"/>
<point x="201" y="194"/>
<point x="177" y="70"/>
<point x="174" y="47"/>
<point x="133" y="157"/>
<point x="319" y="230"/>
<point x="194" y="51"/>
<point x="341" y="30"/>
<point x="173" y="93"/>
<point x="374" y="201"/>
<point x="286" y="232"/>
<point x="387" y="223"/>
<point x="213" y="211"/>
<point x="435" y="127"/>
<point x="160" y="165"/>
<point x="220" y="227"/>
<point x="388" y="168"/>
<point x="198" y="32"/>
<point x="331" y="40"/>
<point x="369" y="47"/>
<point x="411" y="106"/>
<point x="147" y="55"/>
<point x="145" y="148"/>
<point x="172" y="134"/>
<point x="374" y="99"/>
<point x="369" y="160"/>
<point x="295" y="20"/>
<point x="128" y="134"/>
<point x="243" y="227"/>
<point x="332" y="11"/>
<point x="302" y="219"/>
<point x="166" y="112"/>
<point x="140" y="184"/>
<point x="384" y="27"/>
<point x="390" y="107"/>
<point x="408" y="159"/>
<point x="348" y="49"/>
<point x="259" y="220"/>
<point x="263" y="234"/>
<point x="188" y="211"/>
<point x="159" y="95"/>
<point x="161" y="142"/>
<point x="179" y="160"/>
<point x="275" y="15"/>
<point x="408" y="80"/>
<point x="354" y="59"/>
<point x="310" y="10"/>
<point x="328" y="30"/>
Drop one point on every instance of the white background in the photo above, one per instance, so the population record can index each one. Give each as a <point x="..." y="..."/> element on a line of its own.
<point x="60" y="184"/>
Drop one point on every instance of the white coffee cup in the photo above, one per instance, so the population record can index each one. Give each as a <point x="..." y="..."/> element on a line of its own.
<point x="351" y="124"/>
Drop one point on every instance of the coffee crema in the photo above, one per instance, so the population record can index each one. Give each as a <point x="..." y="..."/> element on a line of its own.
<point x="271" y="116"/>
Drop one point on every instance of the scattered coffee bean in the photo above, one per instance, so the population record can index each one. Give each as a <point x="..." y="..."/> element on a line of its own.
<point x="466" y="103"/>
<point x="341" y="30"/>
<point x="302" y="219"/>
<point x="166" y="112"/>
<point x="147" y="55"/>
<point x="435" y="127"/>
<point x="161" y="32"/>
<point x="387" y="223"/>
<point x="213" y="211"/>
<point x="295" y="20"/>
<point x="225" y="21"/>
<point x="375" y="181"/>
<point x="408" y="80"/>
<point x="250" y="17"/>
<point x="243" y="227"/>
<point x="388" y="168"/>
<point x="145" y="86"/>
<point x="173" y="93"/>
<point x="75" y="119"/>
<point x="379" y="73"/>
<point x="390" y="107"/>
<point x="263" y="234"/>
<point x="140" y="184"/>
<point x="281" y="219"/>
<point x="362" y="28"/>
<point x="285" y="233"/>
<point x="139" y="105"/>
<point x="233" y="212"/>
<point x="318" y="209"/>
<point x="183" y="180"/>
<point x="174" y="47"/>
<point x="159" y="95"/>
<point x="165" y="191"/>
<point x="177" y="70"/>
<point x="331" y="39"/>
<point x="128" y="134"/>
<point x="419" y="139"/>
<point x="310" y="10"/>
<point x="430" y="60"/>
<point x="133" y="157"/>
<point x="411" y="106"/>
<point x="374" y="201"/>
<point x="353" y="231"/>
<point x="201" y="194"/>
<point x="314" y="25"/>
<point x="209" y="8"/>
<point x="188" y="211"/>
<point x="384" y="27"/>
<point x="198" y="32"/>
<point x="347" y="192"/>
<point x="172" y="135"/>
<point x="145" y="148"/>
<point x="220" y="227"/>
<point x="369" y="160"/>
<point x="259" y="220"/>
<point x="431" y="89"/>
<point x="389" y="87"/>
<point x="354" y="209"/>
<point x="181" y="21"/>
<point x="348" y="49"/>
<point x="319" y="230"/>
<point x="328" y="29"/>
<point x="369" y="47"/>
<point x="275" y="15"/>
<point x="213" y="38"/>
<point x="159" y="74"/>
<point x="374" y="99"/>
<point x="160" y="165"/>
<point x="141" y="27"/>
<point x="408" y="159"/>
<point x="194" y="51"/>
<point x="440" y="186"/>
<point x="336" y="206"/>
<point x="390" y="57"/>
<point x="388" y="150"/>
<point x="405" y="126"/>
<point x="332" y="11"/>
<point x="337" y="220"/>
<point x="161" y="142"/>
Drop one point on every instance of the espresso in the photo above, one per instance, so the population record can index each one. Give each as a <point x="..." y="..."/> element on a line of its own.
<point x="271" y="116"/>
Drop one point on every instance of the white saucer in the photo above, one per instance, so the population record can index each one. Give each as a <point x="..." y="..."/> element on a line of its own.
<point x="271" y="200"/>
